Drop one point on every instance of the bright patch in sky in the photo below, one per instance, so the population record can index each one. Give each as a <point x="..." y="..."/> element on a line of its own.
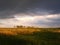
<point x="24" y="18"/>
<point x="37" y="20"/>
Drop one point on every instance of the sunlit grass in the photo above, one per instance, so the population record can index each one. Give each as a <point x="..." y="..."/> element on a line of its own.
<point x="29" y="36"/>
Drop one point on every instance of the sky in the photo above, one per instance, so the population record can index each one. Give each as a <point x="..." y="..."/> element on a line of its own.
<point x="41" y="13"/>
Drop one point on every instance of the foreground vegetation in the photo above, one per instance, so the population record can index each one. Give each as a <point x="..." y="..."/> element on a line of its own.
<point x="29" y="36"/>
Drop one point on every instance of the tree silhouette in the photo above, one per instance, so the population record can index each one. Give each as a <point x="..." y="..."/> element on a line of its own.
<point x="20" y="26"/>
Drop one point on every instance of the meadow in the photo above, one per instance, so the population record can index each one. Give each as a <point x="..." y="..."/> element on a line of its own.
<point x="30" y="36"/>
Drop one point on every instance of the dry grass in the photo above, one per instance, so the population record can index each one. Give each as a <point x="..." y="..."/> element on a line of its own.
<point x="15" y="31"/>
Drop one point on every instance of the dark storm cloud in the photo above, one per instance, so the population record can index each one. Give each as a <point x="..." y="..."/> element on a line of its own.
<point x="23" y="6"/>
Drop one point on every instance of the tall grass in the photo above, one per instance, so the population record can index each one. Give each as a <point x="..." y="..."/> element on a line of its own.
<point x="46" y="36"/>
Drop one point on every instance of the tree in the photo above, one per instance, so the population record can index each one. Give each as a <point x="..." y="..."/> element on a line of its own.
<point x="19" y="26"/>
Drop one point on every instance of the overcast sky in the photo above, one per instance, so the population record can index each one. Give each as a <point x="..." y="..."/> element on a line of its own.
<point x="43" y="13"/>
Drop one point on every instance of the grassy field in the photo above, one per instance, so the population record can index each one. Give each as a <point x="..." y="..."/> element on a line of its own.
<point x="29" y="36"/>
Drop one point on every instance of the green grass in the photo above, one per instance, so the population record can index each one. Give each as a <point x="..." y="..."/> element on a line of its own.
<point x="45" y="37"/>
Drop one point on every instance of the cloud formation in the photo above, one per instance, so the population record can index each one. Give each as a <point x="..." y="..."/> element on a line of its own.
<point x="11" y="7"/>
<point x="30" y="12"/>
<point x="41" y="21"/>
